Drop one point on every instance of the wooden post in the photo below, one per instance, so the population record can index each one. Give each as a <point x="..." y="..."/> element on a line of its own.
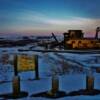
<point x="16" y="86"/>
<point x="89" y="83"/>
<point x="55" y="84"/>
<point x="16" y="79"/>
<point x="36" y="68"/>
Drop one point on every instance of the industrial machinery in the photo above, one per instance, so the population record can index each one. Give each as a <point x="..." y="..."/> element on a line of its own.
<point x="74" y="39"/>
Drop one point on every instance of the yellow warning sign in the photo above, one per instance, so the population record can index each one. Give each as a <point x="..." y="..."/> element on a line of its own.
<point x="26" y="62"/>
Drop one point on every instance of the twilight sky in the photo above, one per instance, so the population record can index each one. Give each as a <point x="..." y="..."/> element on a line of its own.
<point x="46" y="16"/>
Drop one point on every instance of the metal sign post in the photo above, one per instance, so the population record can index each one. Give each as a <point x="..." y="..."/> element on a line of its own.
<point x="36" y="68"/>
<point x="15" y="65"/>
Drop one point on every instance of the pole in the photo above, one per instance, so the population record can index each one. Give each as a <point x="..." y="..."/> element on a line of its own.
<point x="16" y="86"/>
<point x="55" y="84"/>
<point x="89" y="81"/>
<point x="15" y="65"/>
<point x="16" y="79"/>
<point x="36" y="68"/>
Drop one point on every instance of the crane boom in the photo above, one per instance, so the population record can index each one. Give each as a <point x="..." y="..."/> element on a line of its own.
<point x="55" y="38"/>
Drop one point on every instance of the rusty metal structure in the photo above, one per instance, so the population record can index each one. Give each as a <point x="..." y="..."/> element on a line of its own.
<point x="74" y="39"/>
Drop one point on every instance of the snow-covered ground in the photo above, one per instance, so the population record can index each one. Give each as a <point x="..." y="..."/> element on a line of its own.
<point x="71" y="69"/>
<point x="67" y="83"/>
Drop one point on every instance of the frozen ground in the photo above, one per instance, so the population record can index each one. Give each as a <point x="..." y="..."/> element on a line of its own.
<point x="71" y="68"/>
<point x="68" y="83"/>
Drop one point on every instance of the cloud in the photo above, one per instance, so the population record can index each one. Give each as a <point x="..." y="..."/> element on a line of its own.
<point x="26" y="20"/>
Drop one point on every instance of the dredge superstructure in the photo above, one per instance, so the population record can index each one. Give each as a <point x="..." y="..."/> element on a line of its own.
<point x="74" y="39"/>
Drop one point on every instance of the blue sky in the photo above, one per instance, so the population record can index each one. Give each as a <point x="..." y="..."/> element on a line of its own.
<point x="46" y="16"/>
